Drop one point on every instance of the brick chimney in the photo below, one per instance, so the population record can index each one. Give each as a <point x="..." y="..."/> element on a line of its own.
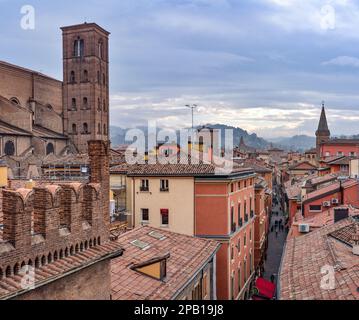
<point x="99" y="154"/>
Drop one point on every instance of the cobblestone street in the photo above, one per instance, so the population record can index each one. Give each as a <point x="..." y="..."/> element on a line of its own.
<point x="275" y="245"/>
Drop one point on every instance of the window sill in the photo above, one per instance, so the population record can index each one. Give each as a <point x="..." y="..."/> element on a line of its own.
<point x="164" y="226"/>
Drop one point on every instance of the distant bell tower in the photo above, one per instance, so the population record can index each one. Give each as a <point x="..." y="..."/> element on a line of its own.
<point x="86" y="83"/>
<point x="323" y="133"/>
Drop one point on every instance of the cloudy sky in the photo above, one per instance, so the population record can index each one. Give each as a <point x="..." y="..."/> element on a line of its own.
<point x="263" y="65"/>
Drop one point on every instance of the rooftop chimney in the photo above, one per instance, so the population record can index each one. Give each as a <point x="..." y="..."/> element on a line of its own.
<point x="340" y="214"/>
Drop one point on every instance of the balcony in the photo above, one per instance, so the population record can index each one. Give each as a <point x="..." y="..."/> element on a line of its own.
<point x="144" y="189"/>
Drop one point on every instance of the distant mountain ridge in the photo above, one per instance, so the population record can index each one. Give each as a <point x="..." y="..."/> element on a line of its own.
<point x="118" y="134"/>
<point x="296" y="143"/>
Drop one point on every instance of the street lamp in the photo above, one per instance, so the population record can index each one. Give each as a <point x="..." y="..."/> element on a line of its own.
<point x="192" y="107"/>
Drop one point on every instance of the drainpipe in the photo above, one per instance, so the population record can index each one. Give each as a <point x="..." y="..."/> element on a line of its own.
<point x="133" y="204"/>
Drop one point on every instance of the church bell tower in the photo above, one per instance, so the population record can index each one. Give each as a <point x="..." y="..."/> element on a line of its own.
<point x="323" y="133"/>
<point x="85" y="83"/>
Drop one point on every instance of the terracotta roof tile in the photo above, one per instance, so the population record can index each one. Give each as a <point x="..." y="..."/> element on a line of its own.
<point x="187" y="256"/>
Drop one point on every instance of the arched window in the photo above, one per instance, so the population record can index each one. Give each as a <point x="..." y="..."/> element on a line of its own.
<point x="86" y="76"/>
<point x="98" y="104"/>
<point x="73" y="104"/>
<point x="104" y="129"/>
<point x="100" y="49"/>
<point x="72" y="77"/>
<point x="104" y="79"/>
<point x="85" y="128"/>
<point x="79" y="47"/>
<point x="50" y="149"/>
<point x="98" y="77"/>
<point x="9" y="149"/>
<point x="15" y="100"/>
<point x="99" y="129"/>
<point x="74" y="128"/>
<point x="85" y="103"/>
<point x="104" y="105"/>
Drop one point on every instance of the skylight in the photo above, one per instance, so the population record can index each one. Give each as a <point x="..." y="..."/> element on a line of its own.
<point x="157" y="235"/>
<point x="140" y="244"/>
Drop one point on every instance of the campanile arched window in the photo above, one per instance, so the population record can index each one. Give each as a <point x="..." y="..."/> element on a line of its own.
<point x="86" y="76"/>
<point x="50" y="149"/>
<point x="85" y="128"/>
<point x="79" y="47"/>
<point x="9" y="149"/>
<point x="72" y="77"/>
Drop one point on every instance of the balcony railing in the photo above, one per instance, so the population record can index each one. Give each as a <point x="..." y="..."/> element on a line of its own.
<point x="144" y="189"/>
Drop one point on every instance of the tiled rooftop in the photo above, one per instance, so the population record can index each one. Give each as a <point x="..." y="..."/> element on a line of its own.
<point x="304" y="257"/>
<point x="11" y="286"/>
<point x="187" y="255"/>
<point x="330" y="188"/>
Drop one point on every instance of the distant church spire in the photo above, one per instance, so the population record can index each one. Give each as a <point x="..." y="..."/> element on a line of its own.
<point x="323" y="124"/>
<point x="323" y="133"/>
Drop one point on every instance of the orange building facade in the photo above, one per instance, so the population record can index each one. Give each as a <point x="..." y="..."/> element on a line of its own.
<point x="225" y="212"/>
<point x="331" y="196"/>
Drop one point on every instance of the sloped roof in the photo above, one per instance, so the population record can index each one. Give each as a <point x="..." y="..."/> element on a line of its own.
<point x="300" y="275"/>
<point x="187" y="256"/>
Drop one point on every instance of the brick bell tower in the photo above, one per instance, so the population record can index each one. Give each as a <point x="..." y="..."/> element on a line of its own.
<point x="86" y="83"/>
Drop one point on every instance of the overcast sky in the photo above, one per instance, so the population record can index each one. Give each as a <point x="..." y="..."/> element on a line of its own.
<point x="262" y="65"/>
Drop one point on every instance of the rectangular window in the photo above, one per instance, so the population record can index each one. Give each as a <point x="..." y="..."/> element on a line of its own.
<point x="145" y="215"/>
<point x="164" y="217"/>
<point x="239" y="215"/>
<point x="245" y="183"/>
<point x="144" y="185"/>
<point x="164" y="186"/>
<point x="232" y="187"/>
<point x="239" y="185"/>
<point x="315" y="207"/>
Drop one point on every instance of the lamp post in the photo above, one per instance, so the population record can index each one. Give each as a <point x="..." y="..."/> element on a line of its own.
<point x="192" y="107"/>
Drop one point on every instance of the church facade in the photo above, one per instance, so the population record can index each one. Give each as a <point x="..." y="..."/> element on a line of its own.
<point x="41" y="115"/>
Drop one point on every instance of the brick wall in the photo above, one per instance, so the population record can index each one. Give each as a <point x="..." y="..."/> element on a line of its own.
<point x="51" y="220"/>
<point x="91" y="283"/>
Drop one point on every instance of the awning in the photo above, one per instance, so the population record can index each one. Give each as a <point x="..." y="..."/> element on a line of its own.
<point x="265" y="289"/>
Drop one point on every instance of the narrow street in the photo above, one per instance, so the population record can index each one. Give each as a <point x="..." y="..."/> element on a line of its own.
<point x="276" y="242"/>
